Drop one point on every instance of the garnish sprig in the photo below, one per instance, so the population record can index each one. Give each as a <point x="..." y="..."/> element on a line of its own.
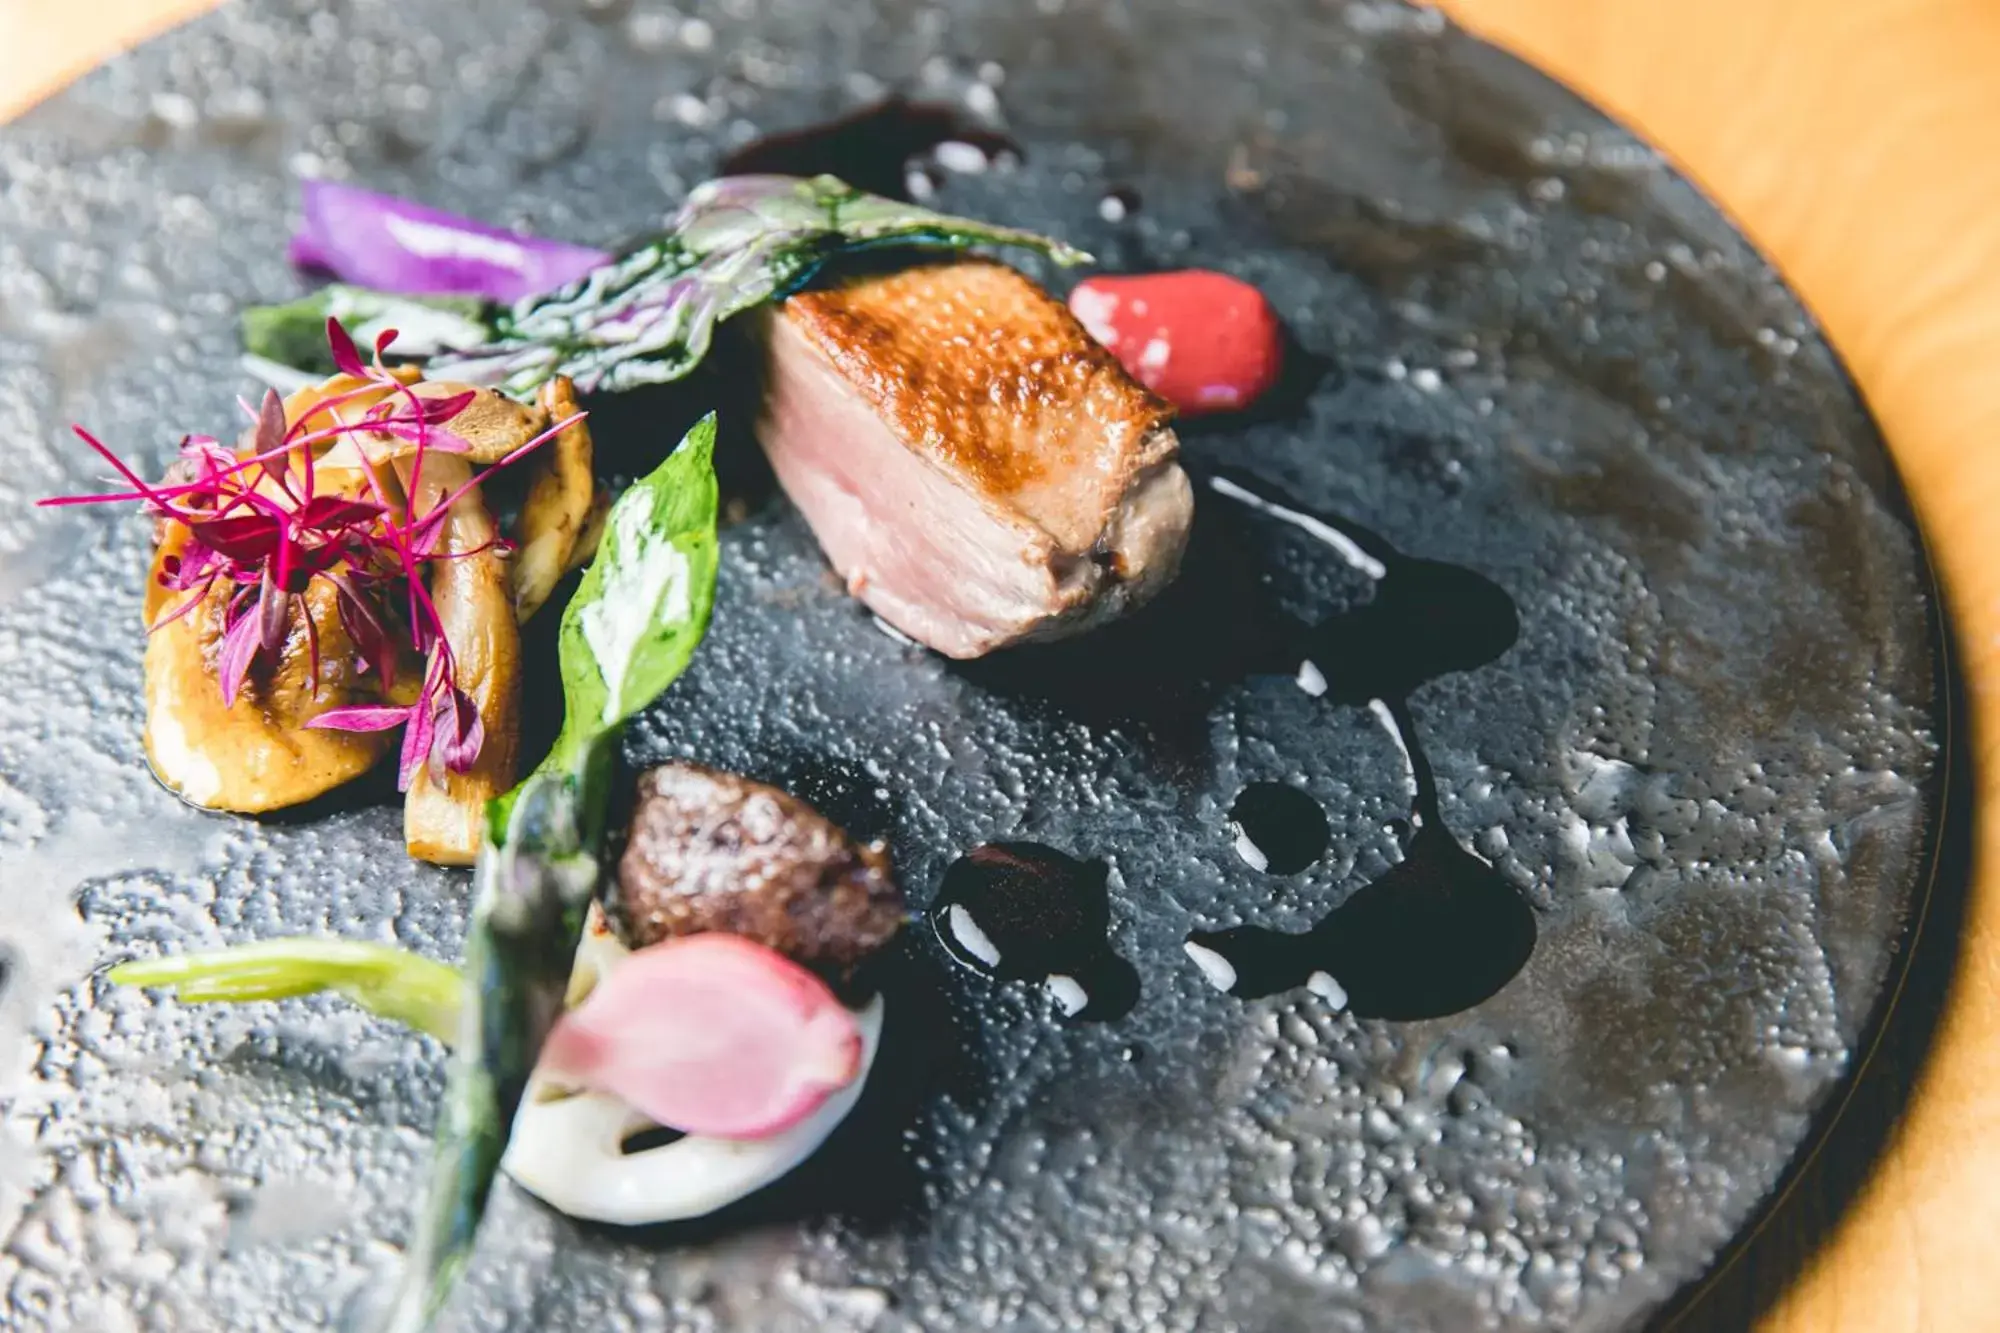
<point x="644" y="317"/>
<point x="260" y="528"/>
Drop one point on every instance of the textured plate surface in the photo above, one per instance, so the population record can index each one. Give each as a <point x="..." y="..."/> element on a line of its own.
<point x="1707" y="762"/>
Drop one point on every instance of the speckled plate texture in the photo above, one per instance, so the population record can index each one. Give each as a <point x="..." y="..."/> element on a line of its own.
<point x="1527" y="348"/>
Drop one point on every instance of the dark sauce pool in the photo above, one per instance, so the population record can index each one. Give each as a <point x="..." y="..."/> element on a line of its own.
<point x="1437" y="933"/>
<point x="1442" y="929"/>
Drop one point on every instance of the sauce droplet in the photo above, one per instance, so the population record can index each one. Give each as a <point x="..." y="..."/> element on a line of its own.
<point x="1279" y="829"/>
<point x="872" y="148"/>
<point x="1021" y="911"/>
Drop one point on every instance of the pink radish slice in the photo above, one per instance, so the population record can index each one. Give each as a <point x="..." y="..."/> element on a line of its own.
<point x="710" y="1034"/>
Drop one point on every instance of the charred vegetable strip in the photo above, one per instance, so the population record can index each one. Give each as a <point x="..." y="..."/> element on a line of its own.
<point x="649" y="315"/>
<point x="629" y="632"/>
<point x="556" y="518"/>
<point x="469" y="589"/>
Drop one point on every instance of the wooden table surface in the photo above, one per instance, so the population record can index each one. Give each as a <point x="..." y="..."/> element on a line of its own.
<point x="1858" y="143"/>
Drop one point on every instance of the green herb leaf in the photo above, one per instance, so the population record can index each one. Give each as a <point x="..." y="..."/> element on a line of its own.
<point x="645" y="601"/>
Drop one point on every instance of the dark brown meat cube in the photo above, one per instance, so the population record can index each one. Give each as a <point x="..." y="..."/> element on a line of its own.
<point x="714" y="851"/>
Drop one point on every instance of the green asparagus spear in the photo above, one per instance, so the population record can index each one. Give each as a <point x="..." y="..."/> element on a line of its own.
<point x="626" y="636"/>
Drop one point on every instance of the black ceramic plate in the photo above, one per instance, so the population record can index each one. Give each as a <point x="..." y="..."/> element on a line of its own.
<point x="1563" y="477"/>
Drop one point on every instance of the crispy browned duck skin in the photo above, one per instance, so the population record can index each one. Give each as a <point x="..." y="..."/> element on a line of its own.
<point x="714" y="851"/>
<point x="976" y="466"/>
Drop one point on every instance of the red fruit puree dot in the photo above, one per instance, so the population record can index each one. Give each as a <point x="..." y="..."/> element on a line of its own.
<point x="1204" y="341"/>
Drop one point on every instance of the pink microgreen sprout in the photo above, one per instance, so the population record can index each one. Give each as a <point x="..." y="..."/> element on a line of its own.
<point x="259" y="530"/>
